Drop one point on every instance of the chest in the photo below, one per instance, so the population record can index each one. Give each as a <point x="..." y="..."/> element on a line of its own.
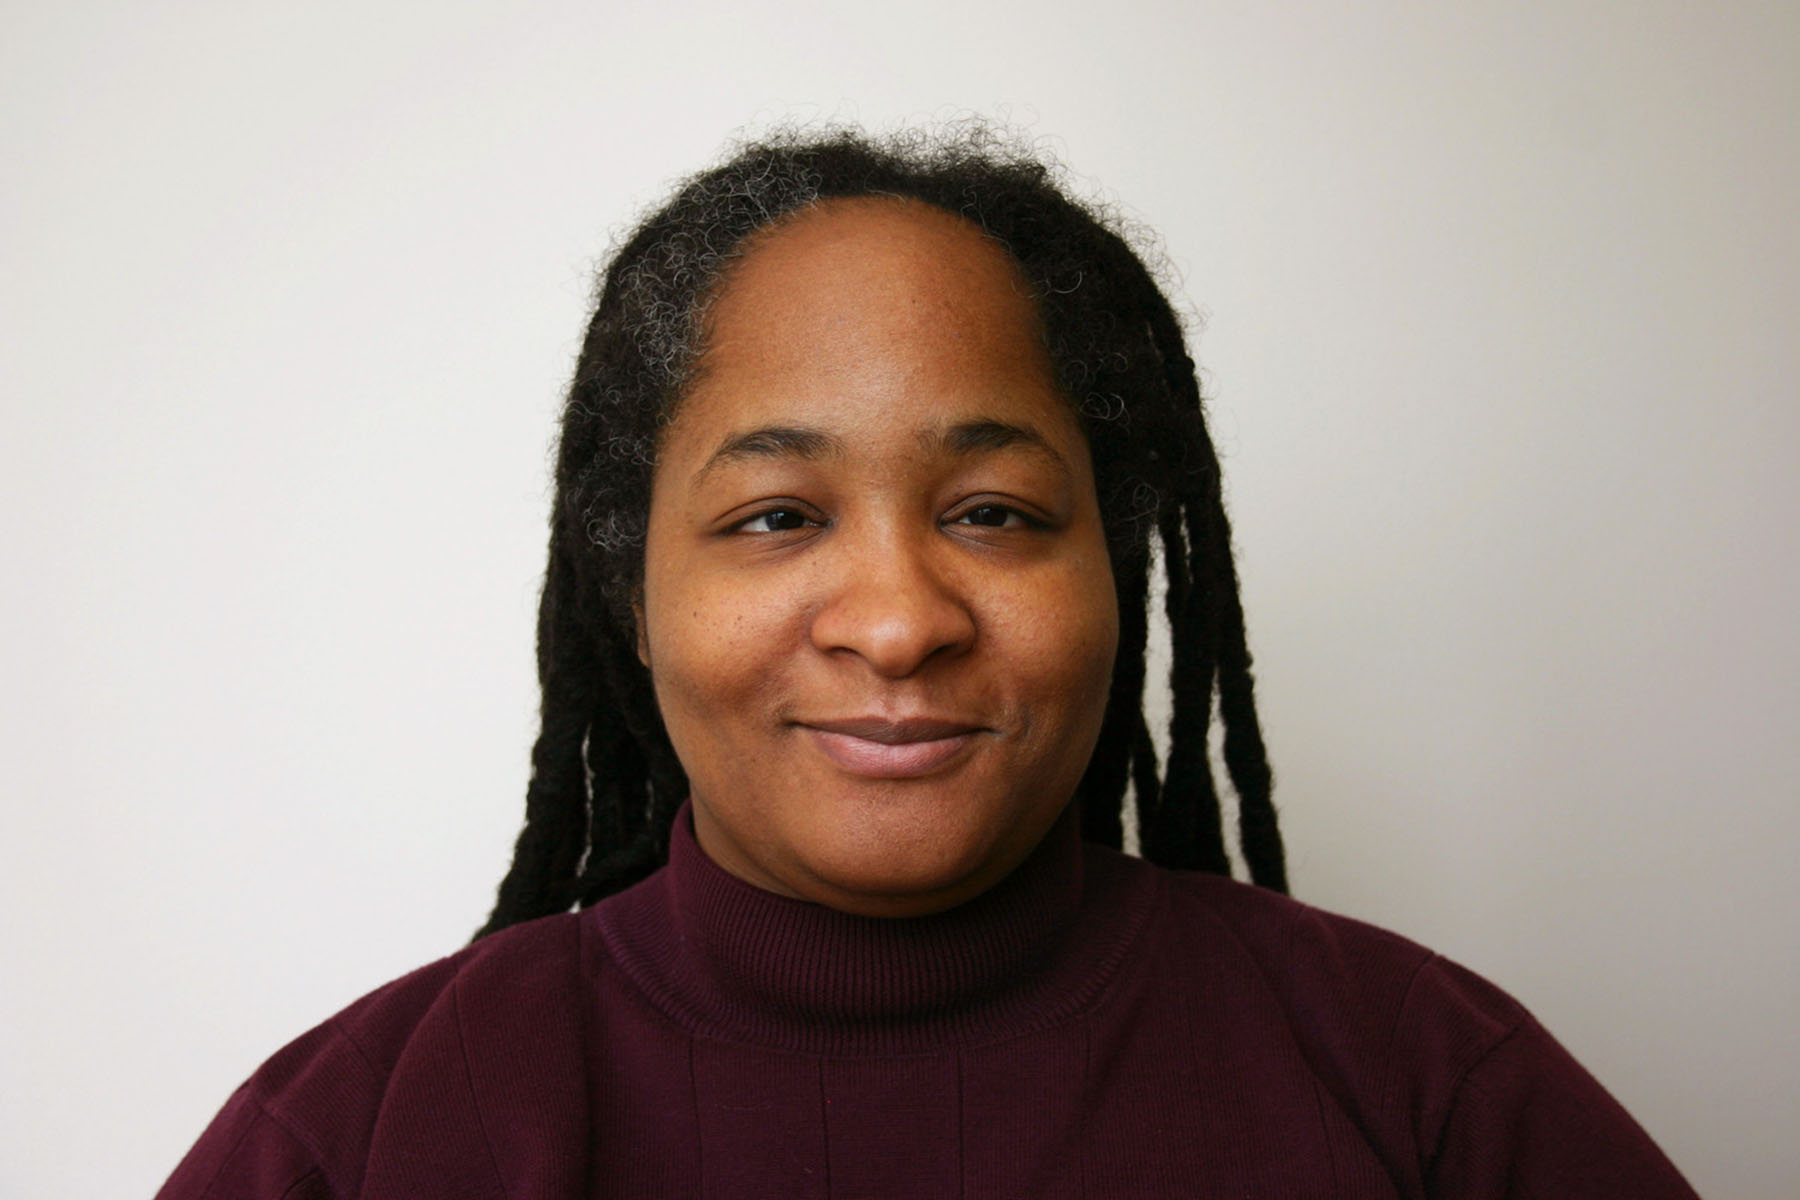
<point x="1119" y="1104"/>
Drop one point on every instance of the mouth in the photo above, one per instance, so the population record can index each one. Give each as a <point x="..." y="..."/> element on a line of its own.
<point x="883" y="748"/>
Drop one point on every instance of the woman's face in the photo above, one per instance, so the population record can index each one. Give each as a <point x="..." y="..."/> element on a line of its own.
<point x="877" y="605"/>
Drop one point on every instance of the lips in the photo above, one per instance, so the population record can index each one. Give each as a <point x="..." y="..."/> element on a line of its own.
<point x="885" y="748"/>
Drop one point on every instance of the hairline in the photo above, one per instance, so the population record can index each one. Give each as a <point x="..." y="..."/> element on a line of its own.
<point x="699" y="315"/>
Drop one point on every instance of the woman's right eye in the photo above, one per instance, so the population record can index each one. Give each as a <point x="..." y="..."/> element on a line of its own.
<point x="776" y="520"/>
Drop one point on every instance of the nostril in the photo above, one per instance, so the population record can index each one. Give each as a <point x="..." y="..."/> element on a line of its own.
<point x="895" y="621"/>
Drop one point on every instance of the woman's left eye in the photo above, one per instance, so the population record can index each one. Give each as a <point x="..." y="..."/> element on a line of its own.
<point x="990" y="515"/>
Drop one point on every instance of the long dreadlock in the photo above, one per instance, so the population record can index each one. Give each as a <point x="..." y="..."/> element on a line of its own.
<point x="605" y="782"/>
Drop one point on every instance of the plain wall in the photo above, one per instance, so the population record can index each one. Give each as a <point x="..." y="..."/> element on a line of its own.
<point x="1496" y="306"/>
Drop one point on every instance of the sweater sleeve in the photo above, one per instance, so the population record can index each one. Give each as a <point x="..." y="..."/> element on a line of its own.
<point x="1527" y="1122"/>
<point x="300" y="1127"/>
<point x="245" y="1154"/>
<point x="393" y="1096"/>
<point x="1458" y="1090"/>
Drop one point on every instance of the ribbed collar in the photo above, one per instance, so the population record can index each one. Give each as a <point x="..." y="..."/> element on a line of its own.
<point x="726" y="959"/>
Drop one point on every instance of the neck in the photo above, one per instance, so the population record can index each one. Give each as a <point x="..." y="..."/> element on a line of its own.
<point x="729" y="959"/>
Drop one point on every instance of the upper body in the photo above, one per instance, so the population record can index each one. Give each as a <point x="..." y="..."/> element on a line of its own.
<point x="868" y="456"/>
<point x="1093" y="1026"/>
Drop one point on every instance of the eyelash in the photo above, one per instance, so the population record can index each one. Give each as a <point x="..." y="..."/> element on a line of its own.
<point x="769" y="514"/>
<point x="1007" y="513"/>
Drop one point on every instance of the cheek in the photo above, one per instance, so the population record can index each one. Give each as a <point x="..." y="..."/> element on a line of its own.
<point x="712" y="643"/>
<point x="1064" y="635"/>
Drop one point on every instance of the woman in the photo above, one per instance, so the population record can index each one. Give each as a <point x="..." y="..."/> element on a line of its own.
<point x="842" y="655"/>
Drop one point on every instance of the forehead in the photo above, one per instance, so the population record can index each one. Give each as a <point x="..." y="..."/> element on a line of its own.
<point x="872" y="274"/>
<point x="855" y="288"/>
<point x="854" y="241"/>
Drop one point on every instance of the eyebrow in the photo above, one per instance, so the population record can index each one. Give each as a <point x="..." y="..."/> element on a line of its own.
<point x="773" y="441"/>
<point x="799" y="441"/>
<point x="973" y="437"/>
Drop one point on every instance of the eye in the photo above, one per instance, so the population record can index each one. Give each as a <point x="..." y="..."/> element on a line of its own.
<point x="776" y="520"/>
<point x="996" y="516"/>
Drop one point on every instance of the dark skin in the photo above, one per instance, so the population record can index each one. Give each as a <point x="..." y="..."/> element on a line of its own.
<point x="877" y="605"/>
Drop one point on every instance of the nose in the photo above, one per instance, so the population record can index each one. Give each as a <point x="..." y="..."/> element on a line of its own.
<point x="892" y="605"/>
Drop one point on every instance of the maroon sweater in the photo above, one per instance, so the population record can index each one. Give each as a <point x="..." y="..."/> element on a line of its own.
<point x="1091" y="1027"/>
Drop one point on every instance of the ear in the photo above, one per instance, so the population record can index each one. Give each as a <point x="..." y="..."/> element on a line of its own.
<point x="637" y="622"/>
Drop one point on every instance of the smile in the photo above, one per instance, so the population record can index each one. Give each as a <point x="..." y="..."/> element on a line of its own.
<point x="878" y="748"/>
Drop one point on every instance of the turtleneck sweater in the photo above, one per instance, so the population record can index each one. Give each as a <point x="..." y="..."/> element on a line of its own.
<point x="729" y="961"/>
<point x="1092" y="1026"/>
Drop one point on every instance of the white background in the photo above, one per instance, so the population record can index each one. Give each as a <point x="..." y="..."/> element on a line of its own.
<point x="1499" y="328"/>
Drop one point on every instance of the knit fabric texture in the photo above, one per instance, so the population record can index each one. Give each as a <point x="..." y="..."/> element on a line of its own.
<point x="1091" y="1027"/>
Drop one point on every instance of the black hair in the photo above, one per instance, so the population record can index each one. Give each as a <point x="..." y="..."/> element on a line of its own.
<point x="605" y="782"/>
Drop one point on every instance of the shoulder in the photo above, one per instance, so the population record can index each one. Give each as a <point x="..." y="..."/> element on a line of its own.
<point x="417" y="1055"/>
<point x="1282" y="934"/>
<point x="1440" y="1071"/>
<point x="1311" y="958"/>
<point x="1363" y="1002"/>
<point x="360" y="1050"/>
